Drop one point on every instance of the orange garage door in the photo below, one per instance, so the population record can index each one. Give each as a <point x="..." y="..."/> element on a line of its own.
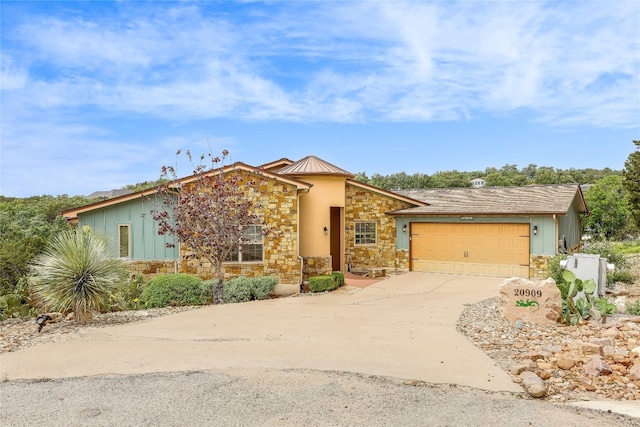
<point x="481" y="249"/>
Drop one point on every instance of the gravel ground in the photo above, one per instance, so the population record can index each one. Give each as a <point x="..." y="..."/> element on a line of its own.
<point x="275" y="398"/>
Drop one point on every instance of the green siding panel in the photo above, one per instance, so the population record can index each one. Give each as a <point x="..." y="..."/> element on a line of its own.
<point x="146" y="244"/>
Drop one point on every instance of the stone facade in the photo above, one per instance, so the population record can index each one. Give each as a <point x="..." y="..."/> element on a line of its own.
<point x="316" y="266"/>
<point x="149" y="269"/>
<point x="362" y="205"/>
<point x="279" y="210"/>
<point x="539" y="266"/>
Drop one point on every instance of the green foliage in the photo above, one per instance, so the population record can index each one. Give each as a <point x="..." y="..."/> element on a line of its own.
<point x="262" y="287"/>
<point x="577" y="297"/>
<point x="322" y="283"/>
<point x="145" y="185"/>
<point x="609" y="208"/>
<point x="631" y="183"/>
<point x="77" y="273"/>
<point x="555" y="271"/>
<point x="237" y="289"/>
<point x="17" y="304"/>
<point x="338" y="276"/>
<point x="611" y="252"/>
<point x="242" y="289"/>
<point x="128" y="296"/>
<point x="26" y="226"/>
<point x="173" y="290"/>
<point x="604" y="307"/>
<point x="634" y="308"/>
<point x="627" y="247"/>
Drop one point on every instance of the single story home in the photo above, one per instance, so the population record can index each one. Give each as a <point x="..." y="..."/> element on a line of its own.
<point x="328" y="221"/>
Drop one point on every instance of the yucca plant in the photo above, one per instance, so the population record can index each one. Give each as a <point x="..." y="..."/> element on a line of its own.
<point x="77" y="272"/>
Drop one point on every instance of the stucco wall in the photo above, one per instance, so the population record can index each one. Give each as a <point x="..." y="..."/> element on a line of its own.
<point x="315" y="213"/>
<point x="368" y="206"/>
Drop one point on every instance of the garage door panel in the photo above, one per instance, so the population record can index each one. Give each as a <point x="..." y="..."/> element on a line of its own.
<point x="486" y="249"/>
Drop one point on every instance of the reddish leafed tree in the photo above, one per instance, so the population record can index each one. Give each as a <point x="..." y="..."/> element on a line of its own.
<point x="208" y="212"/>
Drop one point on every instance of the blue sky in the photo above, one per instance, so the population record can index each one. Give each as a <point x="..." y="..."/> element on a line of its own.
<point x="97" y="95"/>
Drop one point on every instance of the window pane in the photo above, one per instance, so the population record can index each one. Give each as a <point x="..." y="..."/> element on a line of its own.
<point x="365" y="233"/>
<point x="123" y="241"/>
<point x="251" y="248"/>
<point x="251" y="253"/>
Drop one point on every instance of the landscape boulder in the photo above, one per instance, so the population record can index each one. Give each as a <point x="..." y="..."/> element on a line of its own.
<point x="533" y="301"/>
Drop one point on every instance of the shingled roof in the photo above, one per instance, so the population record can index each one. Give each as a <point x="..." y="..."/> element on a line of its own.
<point x="312" y="165"/>
<point x="529" y="200"/>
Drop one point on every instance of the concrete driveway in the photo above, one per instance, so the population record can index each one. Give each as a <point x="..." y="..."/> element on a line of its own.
<point x="402" y="327"/>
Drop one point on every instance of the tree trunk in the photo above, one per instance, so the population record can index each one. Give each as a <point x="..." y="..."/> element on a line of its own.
<point x="218" y="287"/>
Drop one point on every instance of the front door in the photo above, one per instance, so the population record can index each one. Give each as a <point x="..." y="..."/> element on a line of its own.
<point x="336" y="238"/>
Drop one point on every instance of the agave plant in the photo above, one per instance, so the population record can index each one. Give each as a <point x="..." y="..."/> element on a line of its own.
<point x="77" y="272"/>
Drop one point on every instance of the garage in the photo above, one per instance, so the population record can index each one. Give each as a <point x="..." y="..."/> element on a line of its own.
<point x="492" y="249"/>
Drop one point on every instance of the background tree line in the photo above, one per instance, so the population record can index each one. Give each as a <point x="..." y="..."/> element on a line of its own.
<point x="506" y="176"/>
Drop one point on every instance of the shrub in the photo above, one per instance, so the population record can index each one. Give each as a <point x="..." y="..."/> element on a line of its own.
<point x="634" y="309"/>
<point x="242" y="289"/>
<point x="262" y="287"/>
<point x="17" y="303"/>
<point x="555" y="271"/>
<point x="338" y="277"/>
<point x="606" y="250"/>
<point x="78" y="273"/>
<point x="237" y="290"/>
<point x="173" y="290"/>
<point x="128" y="296"/>
<point x="322" y="283"/>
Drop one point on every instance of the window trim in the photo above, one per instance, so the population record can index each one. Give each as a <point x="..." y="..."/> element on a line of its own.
<point x="363" y="234"/>
<point x="128" y="227"/>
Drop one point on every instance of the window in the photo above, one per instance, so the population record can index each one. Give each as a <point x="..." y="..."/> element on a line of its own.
<point x="251" y="248"/>
<point x="124" y="241"/>
<point x="365" y="233"/>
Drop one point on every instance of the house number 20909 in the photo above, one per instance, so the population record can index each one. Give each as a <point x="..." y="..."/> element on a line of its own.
<point x="527" y="293"/>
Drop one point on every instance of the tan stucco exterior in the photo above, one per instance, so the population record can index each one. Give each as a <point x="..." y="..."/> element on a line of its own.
<point x="315" y="213"/>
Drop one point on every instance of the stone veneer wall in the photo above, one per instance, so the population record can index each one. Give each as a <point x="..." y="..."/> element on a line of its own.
<point x="316" y="266"/>
<point x="149" y="269"/>
<point x="539" y="266"/>
<point x="280" y="216"/>
<point x="368" y="206"/>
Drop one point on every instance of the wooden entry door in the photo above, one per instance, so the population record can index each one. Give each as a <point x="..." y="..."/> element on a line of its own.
<point x="336" y="238"/>
<point x="481" y="249"/>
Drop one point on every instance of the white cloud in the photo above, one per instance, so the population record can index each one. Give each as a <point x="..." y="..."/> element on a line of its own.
<point x="63" y="74"/>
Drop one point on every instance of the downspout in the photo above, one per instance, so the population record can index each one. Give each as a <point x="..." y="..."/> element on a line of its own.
<point x="557" y="232"/>
<point x="298" y="238"/>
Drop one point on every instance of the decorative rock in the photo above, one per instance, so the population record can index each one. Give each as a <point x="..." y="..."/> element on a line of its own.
<point x="518" y="369"/>
<point x="590" y="348"/>
<point x="636" y="350"/>
<point x="596" y="367"/>
<point x="566" y="364"/>
<point x="530" y="301"/>
<point x="634" y="372"/>
<point x="602" y="342"/>
<point x="544" y="365"/>
<point x="595" y="314"/>
<point x="533" y="384"/>
<point x="533" y="355"/>
<point x="621" y="304"/>
<point x="545" y="375"/>
<point x="553" y="349"/>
